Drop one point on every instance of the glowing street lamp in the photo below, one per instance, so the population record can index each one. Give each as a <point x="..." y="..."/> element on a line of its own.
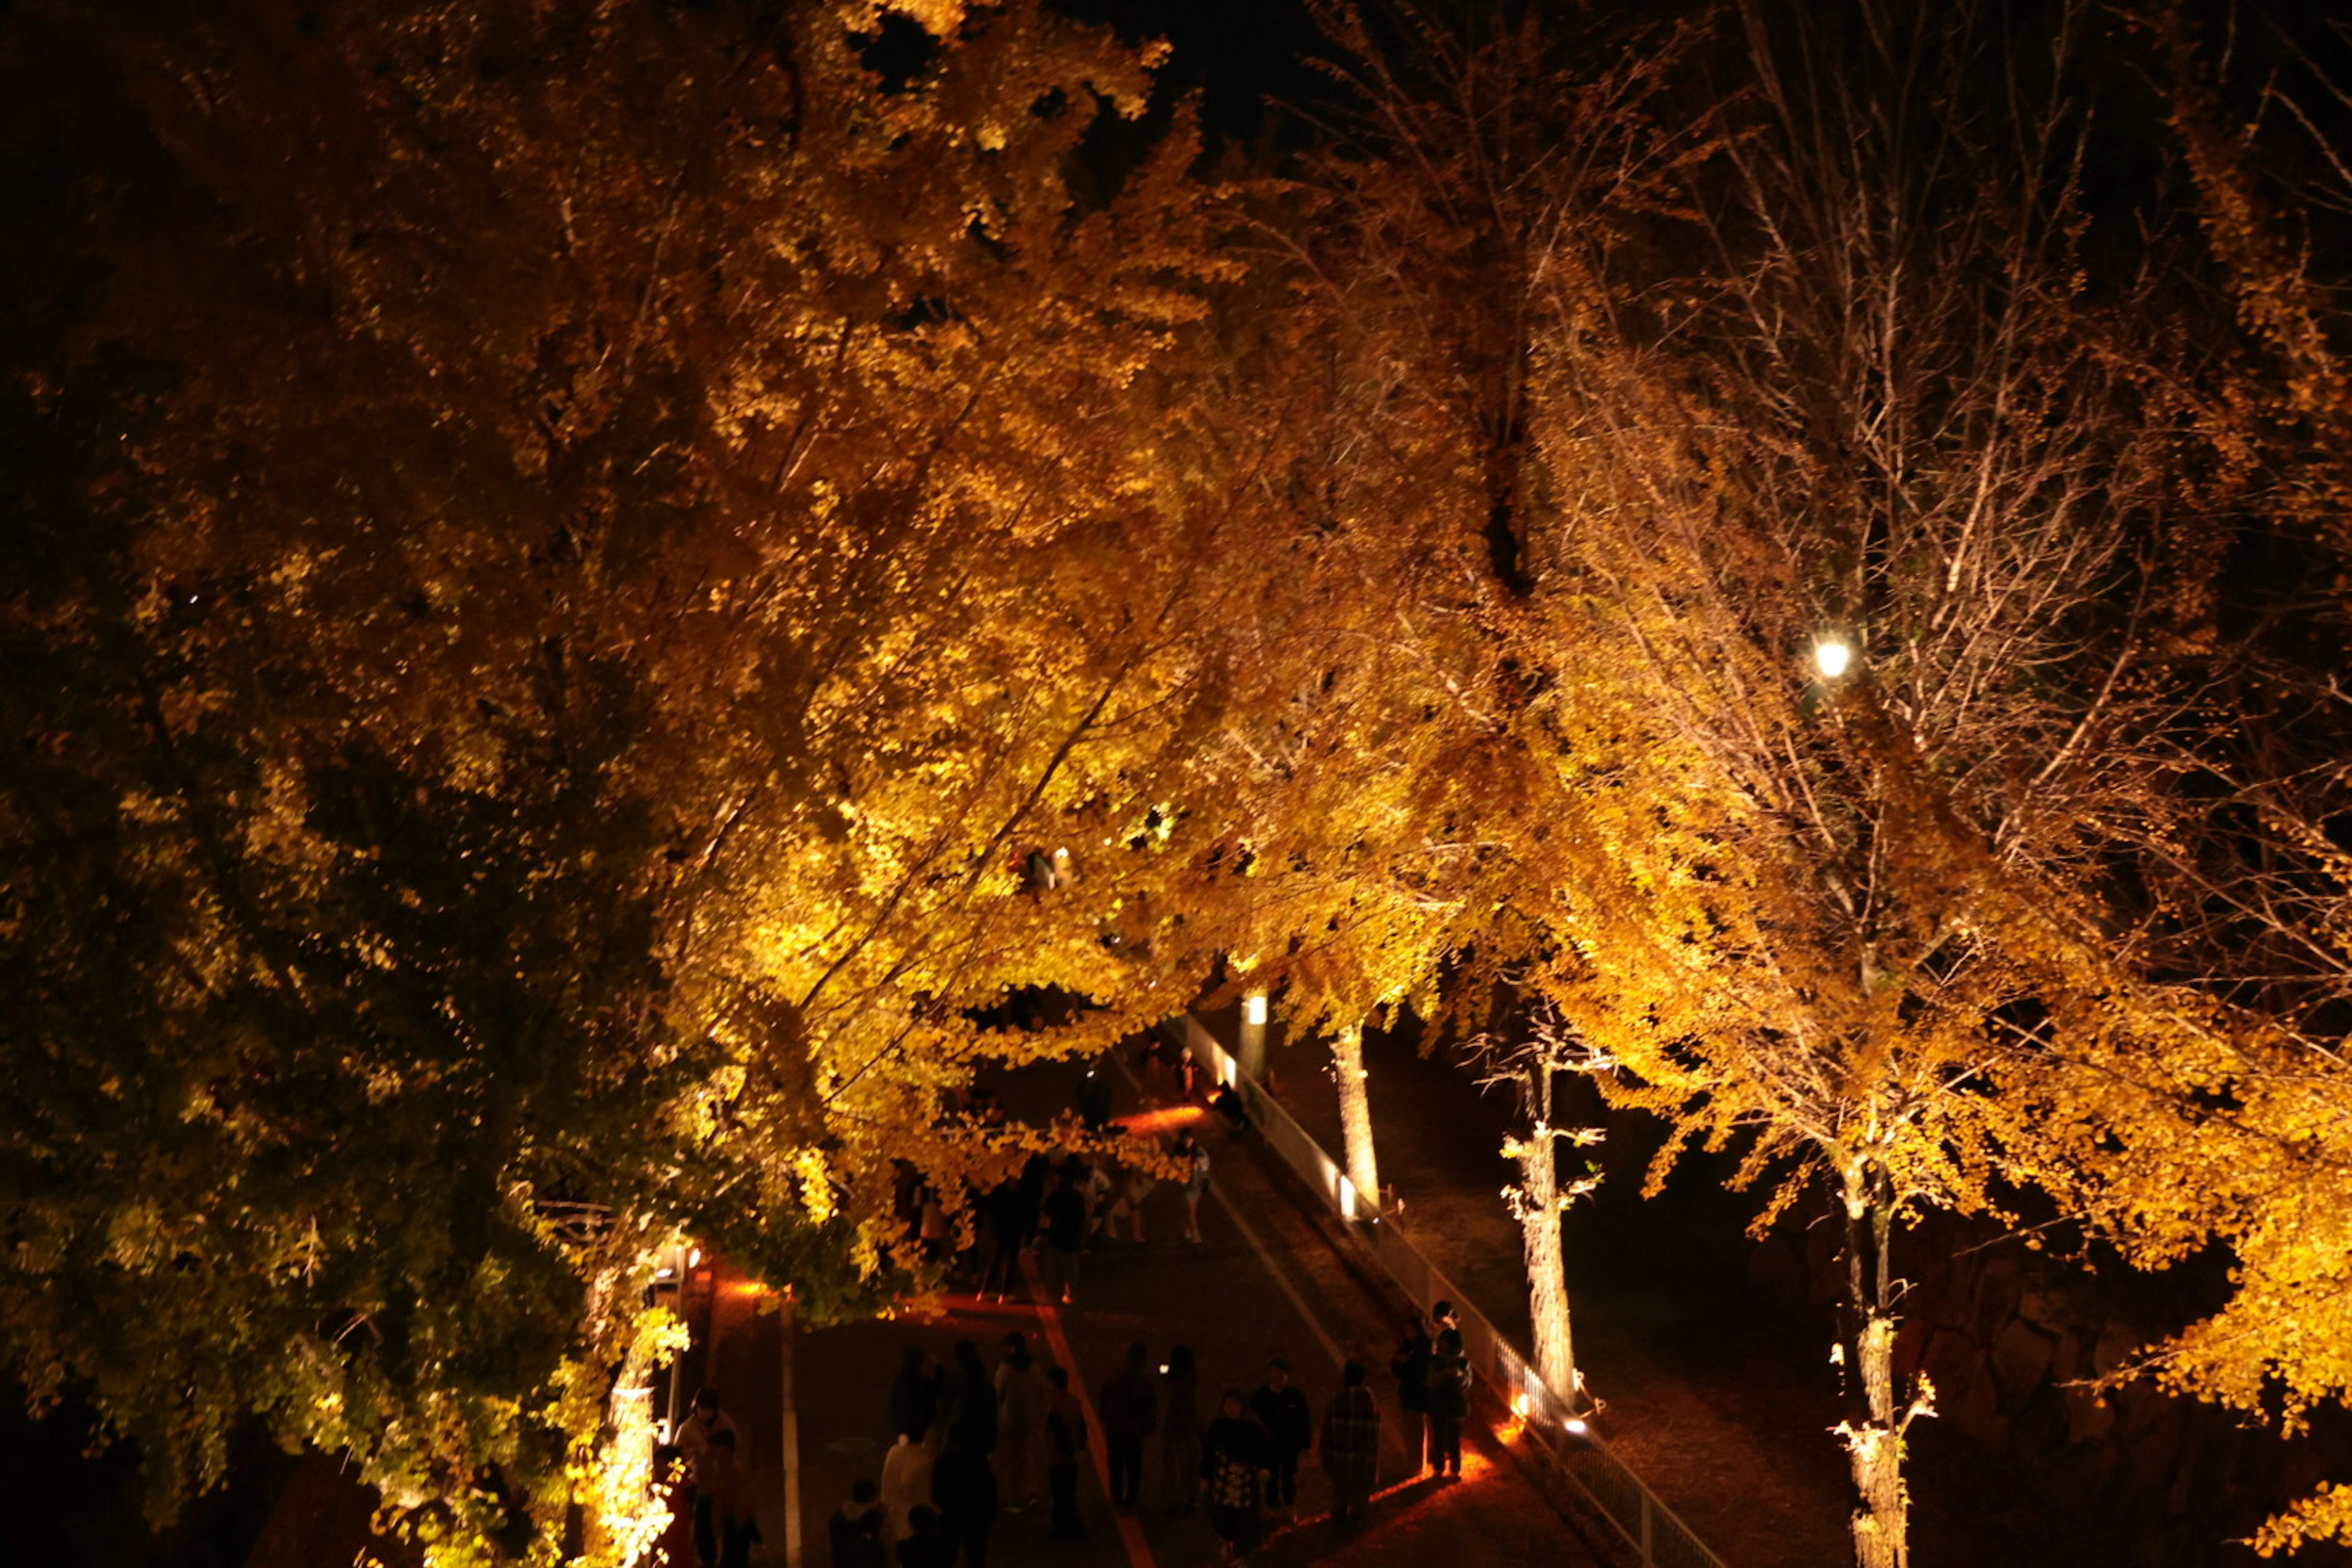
<point x="1833" y="655"/>
<point x="1252" y="1043"/>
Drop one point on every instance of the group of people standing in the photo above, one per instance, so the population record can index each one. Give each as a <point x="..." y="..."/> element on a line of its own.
<point x="1432" y="1368"/>
<point x="974" y="1442"/>
<point x="1060" y="1210"/>
<point x="708" y="1440"/>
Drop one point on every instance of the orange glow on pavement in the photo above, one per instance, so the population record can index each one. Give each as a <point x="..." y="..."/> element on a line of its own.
<point x="1167" y="1119"/>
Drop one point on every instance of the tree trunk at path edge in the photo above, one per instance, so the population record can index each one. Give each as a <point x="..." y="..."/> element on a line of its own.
<point x="1535" y="1202"/>
<point x="1356" y="1115"/>
<point x="1874" y="1427"/>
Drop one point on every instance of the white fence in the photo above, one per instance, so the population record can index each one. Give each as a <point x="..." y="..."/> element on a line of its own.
<point x="1585" y="1477"/>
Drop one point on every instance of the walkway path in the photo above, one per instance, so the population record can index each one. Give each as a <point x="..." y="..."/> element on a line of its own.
<point x="1719" y="1400"/>
<point x="1266" y="1280"/>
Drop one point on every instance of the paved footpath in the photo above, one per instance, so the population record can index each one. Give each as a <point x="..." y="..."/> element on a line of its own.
<point x="1267" y="1279"/>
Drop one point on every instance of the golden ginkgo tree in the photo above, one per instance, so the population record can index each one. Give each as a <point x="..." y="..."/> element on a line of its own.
<point x="573" y="555"/>
<point x="1860" y="640"/>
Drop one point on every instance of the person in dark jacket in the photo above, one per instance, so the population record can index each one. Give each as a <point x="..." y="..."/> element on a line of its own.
<point x="1093" y="1100"/>
<point x="1180" y="1428"/>
<point x="1449" y="1402"/>
<point x="1233" y="1469"/>
<point x="915" y="1395"/>
<point x="1351" y="1449"/>
<point x="929" y="1543"/>
<point x="965" y="1488"/>
<point x="1130" y="1402"/>
<point x="969" y="1403"/>
<point x="1003" y="1211"/>
<point x="1409" y="1367"/>
<point x="1289" y="1423"/>
<point x="856" y="1529"/>
<point x="1065" y="1232"/>
<point x="730" y="1504"/>
<point x="1065" y="1445"/>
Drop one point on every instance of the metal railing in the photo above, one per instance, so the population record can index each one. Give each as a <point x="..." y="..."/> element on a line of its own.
<point x="1586" y="1478"/>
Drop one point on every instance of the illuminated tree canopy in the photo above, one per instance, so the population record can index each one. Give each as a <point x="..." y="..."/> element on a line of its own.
<point x="558" y="566"/>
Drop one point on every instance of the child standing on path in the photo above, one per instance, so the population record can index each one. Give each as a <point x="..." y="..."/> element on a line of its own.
<point x="855" y="1531"/>
<point x="1232" y="1463"/>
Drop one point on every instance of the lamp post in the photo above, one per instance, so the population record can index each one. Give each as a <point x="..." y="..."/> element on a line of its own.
<point x="1251" y="1043"/>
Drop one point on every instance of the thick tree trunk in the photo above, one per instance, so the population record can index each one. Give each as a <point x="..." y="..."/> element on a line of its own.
<point x="1874" y="1427"/>
<point x="1536" y="1205"/>
<point x="1356" y="1116"/>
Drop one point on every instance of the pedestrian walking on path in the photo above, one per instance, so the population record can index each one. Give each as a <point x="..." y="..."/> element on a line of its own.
<point x="695" y="1436"/>
<point x="1130" y="1188"/>
<point x="905" y="1482"/>
<point x="1094" y="1185"/>
<point x="966" y="1490"/>
<point x="1351" y="1449"/>
<point x="969" y="1400"/>
<point x="1130" y="1402"/>
<point x="1449" y="1402"/>
<point x="1065" y="1445"/>
<point x="1092" y="1100"/>
<point x="1409" y="1367"/>
<point x="1196" y="1181"/>
<point x="1002" y="1211"/>
<point x="731" y="1511"/>
<point x="1021" y="1393"/>
<point x="1180" y="1429"/>
<point x="1289" y="1422"/>
<point x="1233" y="1464"/>
<point x="1065" y="1234"/>
<point x="855" y="1531"/>
<point x="915" y="1395"/>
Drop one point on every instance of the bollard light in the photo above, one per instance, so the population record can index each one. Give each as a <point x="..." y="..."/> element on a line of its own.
<point x="1833" y="655"/>
<point x="1253" y="1008"/>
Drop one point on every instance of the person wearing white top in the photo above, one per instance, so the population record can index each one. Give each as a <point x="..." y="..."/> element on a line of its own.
<point x="905" y="1482"/>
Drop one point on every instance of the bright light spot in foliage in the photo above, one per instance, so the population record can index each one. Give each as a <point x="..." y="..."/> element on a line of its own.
<point x="1253" y="1008"/>
<point x="1832" y="657"/>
